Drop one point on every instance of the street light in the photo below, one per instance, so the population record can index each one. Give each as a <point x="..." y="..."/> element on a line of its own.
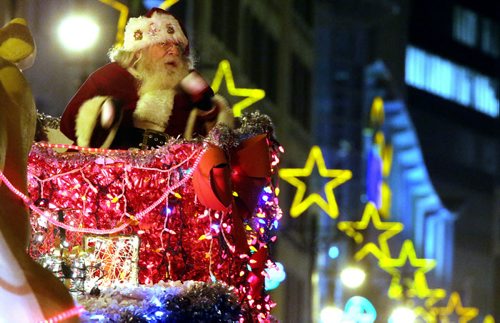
<point x="78" y="33"/>
<point x="331" y="314"/>
<point x="402" y="314"/>
<point x="352" y="277"/>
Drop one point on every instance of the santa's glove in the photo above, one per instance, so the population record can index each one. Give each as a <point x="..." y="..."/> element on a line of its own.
<point x="97" y="122"/>
<point x="219" y="113"/>
<point x="225" y="114"/>
<point x="108" y="113"/>
<point x="197" y="90"/>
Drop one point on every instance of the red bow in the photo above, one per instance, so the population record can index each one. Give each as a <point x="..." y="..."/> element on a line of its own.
<point x="246" y="174"/>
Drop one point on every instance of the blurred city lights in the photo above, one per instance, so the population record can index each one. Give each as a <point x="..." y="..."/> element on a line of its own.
<point x="352" y="277"/>
<point x="275" y="275"/>
<point x="333" y="252"/>
<point x="148" y="4"/>
<point x="402" y="315"/>
<point x="77" y="33"/>
<point x="359" y="310"/>
<point x="331" y="314"/>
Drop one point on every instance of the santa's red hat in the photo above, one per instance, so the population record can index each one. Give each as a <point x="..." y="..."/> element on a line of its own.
<point x="156" y="26"/>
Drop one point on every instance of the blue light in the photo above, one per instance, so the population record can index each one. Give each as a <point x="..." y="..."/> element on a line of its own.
<point x="451" y="81"/>
<point x="275" y="275"/>
<point x="166" y="211"/>
<point x="374" y="177"/>
<point x="360" y="309"/>
<point x="97" y="317"/>
<point x="148" y="4"/>
<point x="156" y="301"/>
<point x="333" y="252"/>
<point x="265" y="198"/>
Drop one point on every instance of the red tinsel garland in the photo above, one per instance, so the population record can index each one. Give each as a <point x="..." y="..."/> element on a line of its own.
<point x="180" y="239"/>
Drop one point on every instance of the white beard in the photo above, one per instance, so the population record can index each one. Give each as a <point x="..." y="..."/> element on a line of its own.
<point x="156" y="93"/>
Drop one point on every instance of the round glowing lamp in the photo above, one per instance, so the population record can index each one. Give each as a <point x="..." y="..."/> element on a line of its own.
<point x="352" y="277"/>
<point x="78" y="33"/>
<point x="333" y="252"/>
<point x="402" y="315"/>
<point x="275" y="275"/>
<point x="331" y="314"/>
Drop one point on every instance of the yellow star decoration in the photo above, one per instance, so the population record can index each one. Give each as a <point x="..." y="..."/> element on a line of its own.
<point x="421" y="290"/>
<point x="377" y="113"/>
<point x="419" y="285"/>
<point x="168" y="3"/>
<point x="407" y="254"/>
<point x="415" y="288"/>
<point x="371" y="215"/>
<point x="455" y="306"/>
<point x="386" y="151"/>
<point x="122" y="20"/>
<point x="423" y="315"/>
<point x="300" y="204"/>
<point x="252" y="95"/>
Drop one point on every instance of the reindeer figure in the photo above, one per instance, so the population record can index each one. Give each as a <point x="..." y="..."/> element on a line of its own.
<point x="28" y="292"/>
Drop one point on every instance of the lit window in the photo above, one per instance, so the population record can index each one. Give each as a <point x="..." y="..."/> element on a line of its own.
<point x="490" y="37"/>
<point x="465" y="26"/>
<point x="453" y="82"/>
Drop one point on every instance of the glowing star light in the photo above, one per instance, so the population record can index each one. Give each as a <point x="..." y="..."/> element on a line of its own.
<point x="423" y="315"/>
<point x="415" y="287"/>
<point x="371" y="215"/>
<point x="396" y="268"/>
<point x="406" y="255"/>
<point x="300" y="204"/>
<point x="455" y="306"/>
<point x="168" y="3"/>
<point x="251" y="95"/>
<point x="420" y="289"/>
<point x="122" y="20"/>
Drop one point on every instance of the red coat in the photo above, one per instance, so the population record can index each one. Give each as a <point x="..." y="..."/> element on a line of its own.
<point x="115" y="81"/>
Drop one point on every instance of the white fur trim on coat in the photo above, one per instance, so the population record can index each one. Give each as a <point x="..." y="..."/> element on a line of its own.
<point x="154" y="109"/>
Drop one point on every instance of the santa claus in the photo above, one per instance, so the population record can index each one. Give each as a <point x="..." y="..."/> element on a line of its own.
<point x="148" y="93"/>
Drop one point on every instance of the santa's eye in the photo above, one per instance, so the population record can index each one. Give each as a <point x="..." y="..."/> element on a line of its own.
<point x="170" y="29"/>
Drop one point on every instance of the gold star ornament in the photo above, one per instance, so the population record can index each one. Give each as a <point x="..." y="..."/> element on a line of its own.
<point x="355" y="230"/>
<point x="301" y="202"/>
<point x="168" y="3"/>
<point x="406" y="255"/>
<point x="454" y="306"/>
<point x="250" y="95"/>
<point x="122" y="20"/>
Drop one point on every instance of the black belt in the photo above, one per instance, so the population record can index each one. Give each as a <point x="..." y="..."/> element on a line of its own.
<point x="152" y="139"/>
<point x="140" y="138"/>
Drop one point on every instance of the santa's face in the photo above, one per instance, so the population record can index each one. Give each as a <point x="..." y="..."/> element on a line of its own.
<point x="162" y="66"/>
<point x="170" y="53"/>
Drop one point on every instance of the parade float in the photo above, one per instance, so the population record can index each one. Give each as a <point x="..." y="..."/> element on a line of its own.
<point x="181" y="232"/>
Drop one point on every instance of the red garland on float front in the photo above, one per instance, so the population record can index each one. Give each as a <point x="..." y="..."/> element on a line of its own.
<point x="153" y="194"/>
